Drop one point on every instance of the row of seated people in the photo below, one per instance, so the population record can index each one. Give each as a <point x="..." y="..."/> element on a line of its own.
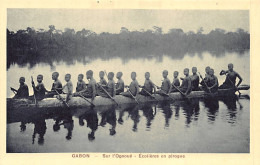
<point x="109" y="88"/>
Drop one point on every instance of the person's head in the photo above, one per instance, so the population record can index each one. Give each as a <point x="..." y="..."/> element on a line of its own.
<point x="80" y="77"/>
<point x="23" y="127"/>
<point x="147" y="75"/>
<point x="175" y="74"/>
<point x="133" y="75"/>
<point x="112" y="132"/>
<point x="56" y="127"/>
<point x="91" y="136"/>
<point x="186" y="71"/>
<point x="119" y="75"/>
<point x="110" y="75"/>
<point x="165" y="73"/>
<point x="207" y="69"/>
<point x="194" y="70"/>
<point x="39" y="78"/>
<point x="101" y="74"/>
<point x="55" y="75"/>
<point x="89" y="74"/>
<point x="22" y="80"/>
<point x="67" y="77"/>
<point x="230" y="67"/>
<point x="211" y="72"/>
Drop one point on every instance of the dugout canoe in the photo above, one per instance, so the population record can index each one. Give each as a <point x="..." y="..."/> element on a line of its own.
<point x="101" y="101"/>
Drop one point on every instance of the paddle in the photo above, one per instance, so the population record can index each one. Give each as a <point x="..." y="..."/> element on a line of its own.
<point x="35" y="101"/>
<point x="164" y="92"/>
<point x="205" y="82"/>
<point x="108" y="94"/>
<point x="181" y="92"/>
<point x="14" y="90"/>
<point x="148" y="92"/>
<point x="62" y="99"/>
<point x="86" y="99"/>
<point x="239" y="93"/>
<point x="131" y="94"/>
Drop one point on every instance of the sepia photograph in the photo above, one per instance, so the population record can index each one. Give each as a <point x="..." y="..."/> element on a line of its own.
<point x="127" y="81"/>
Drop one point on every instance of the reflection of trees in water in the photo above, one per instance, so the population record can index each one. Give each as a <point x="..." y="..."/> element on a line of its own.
<point x="31" y="46"/>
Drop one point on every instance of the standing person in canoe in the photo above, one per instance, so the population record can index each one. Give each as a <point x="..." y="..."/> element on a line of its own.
<point x="148" y="87"/>
<point x="23" y="91"/>
<point x="166" y="85"/>
<point x="81" y="85"/>
<point x="186" y="83"/>
<point x="120" y="85"/>
<point x="231" y="76"/>
<point x="56" y="86"/>
<point x="175" y="82"/>
<point x="90" y="91"/>
<point x="212" y="82"/>
<point x="68" y="87"/>
<point x="195" y="79"/>
<point x="133" y="87"/>
<point x="110" y="87"/>
<point x="103" y="83"/>
<point x="39" y="89"/>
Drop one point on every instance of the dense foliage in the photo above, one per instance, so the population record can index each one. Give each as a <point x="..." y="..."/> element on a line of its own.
<point x="51" y="45"/>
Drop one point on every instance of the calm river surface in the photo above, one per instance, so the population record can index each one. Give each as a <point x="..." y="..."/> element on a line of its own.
<point x="200" y="126"/>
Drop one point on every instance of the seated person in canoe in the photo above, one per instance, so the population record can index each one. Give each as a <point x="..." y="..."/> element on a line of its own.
<point x="133" y="88"/>
<point x="81" y="85"/>
<point x="102" y="82"/>
<point x="194" y="79"/>
<point x="148" y="87"/>
<point x="231" y="77"/>
<point x="166" y="85"/>
<point x="120" y="85"/>
<point x="90" y="91"/>
<point x="109" y="90"/>
<point x="68" y="87"/>
<point x="186" y="83"/>
<point x="56" y="86"/>
<point x="176" y="81"/>
<point x="205" y="79"/>
<point x="39" y="89"/>
<point x="212" y="82"/>
<point x="23" y="91"/>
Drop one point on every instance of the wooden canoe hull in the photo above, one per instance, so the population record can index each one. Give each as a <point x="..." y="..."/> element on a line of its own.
<point x="101" y="101"/>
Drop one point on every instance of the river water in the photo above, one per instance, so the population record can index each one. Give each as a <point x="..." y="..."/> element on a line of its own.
<point x="199" y="126"/>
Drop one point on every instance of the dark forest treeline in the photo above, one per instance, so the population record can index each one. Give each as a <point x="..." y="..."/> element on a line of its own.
<point x="51" y="45"/>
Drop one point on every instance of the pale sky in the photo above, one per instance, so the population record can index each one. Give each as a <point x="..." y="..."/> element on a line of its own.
<point x="112" y="20"/>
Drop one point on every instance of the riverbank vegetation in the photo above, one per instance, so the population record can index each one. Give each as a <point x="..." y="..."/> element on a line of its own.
<point x="34" y="46"/>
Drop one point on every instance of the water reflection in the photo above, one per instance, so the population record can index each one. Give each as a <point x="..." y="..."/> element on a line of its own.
<point x="184" y="113"/>
<point x="109" y="116"/>
<point x="167" y="111"/>
<point x="64" y="118"/>
<point x="231" y="105"/>
<point x="191" y="110"/>
<point x="39" y="129"/>
<point x="91" y="118"/>
<point x="212" y="106"/>
<point x="149" y="114"/>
